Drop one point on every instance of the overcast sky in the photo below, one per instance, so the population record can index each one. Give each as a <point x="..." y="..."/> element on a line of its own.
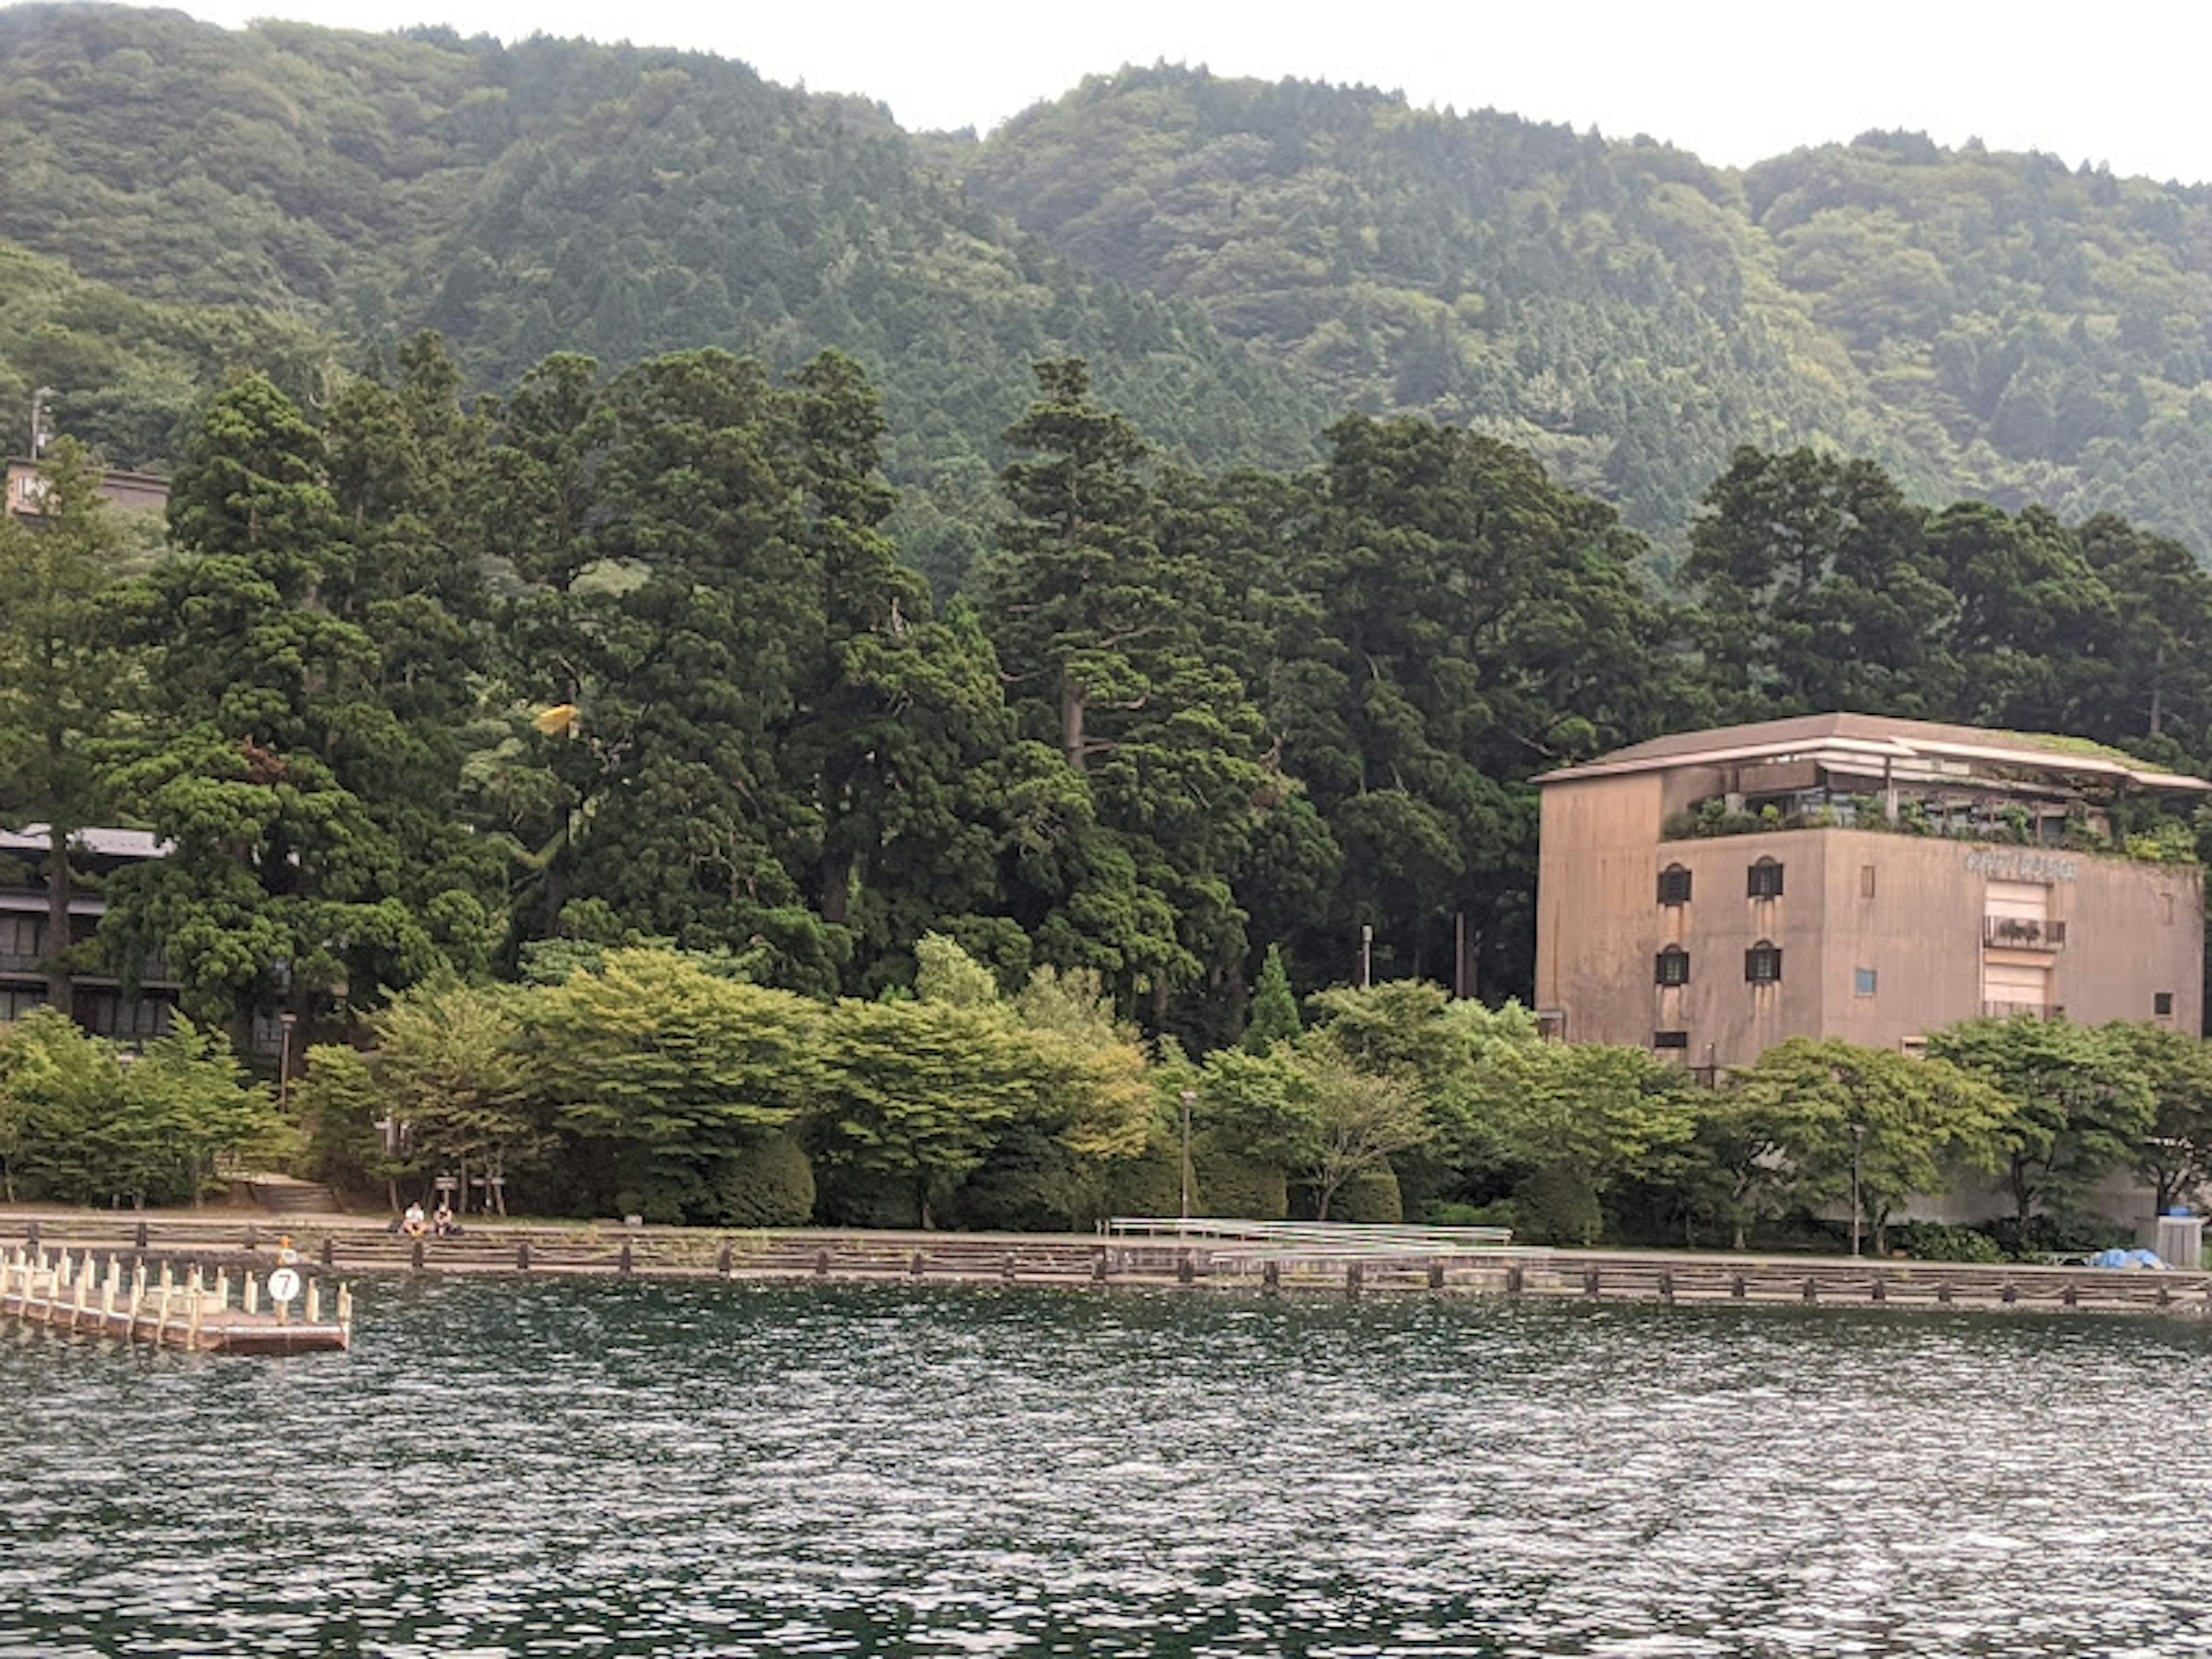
<point x="1734" y="80"/>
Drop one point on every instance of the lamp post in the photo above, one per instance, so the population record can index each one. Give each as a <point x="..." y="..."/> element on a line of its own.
<point x="1189" y="1095"/>
<point x="285" y="1021"/>
<point x="1366" y="955"/>
<point x="1858" y="1151"/>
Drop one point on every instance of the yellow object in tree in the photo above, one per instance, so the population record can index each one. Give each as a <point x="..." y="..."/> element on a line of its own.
<point x="557" y="720"/>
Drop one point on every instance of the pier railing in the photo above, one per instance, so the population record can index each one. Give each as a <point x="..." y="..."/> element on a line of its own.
<point x="1339" y="1238"/>
<point x="146" y="1301"/>
<point x="1170" y="1257"/>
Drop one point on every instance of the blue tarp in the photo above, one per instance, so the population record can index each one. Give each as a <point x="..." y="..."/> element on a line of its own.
<point x="2126" y="1259"/>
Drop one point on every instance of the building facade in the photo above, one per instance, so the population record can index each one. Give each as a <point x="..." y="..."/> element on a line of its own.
<point x="131" y="1013"/>
<point x="1712" y="894"/>
<point x="132" y="492"/>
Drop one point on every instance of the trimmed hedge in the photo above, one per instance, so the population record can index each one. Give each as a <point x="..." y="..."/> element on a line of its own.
<point x="1240" y="1189"/>
<point x="770" y="1185"/>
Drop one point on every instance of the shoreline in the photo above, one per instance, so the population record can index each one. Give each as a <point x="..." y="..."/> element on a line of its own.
<point x="337" y="1245"/>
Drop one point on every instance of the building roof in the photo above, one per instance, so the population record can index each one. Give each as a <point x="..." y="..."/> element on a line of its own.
<point x="1875" y="738"/>
<point x="101" y="843"/>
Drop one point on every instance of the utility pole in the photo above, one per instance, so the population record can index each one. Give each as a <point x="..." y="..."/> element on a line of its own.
<point x="1189" y="1095"/>
<point x="1366" y="955"/>
<point x="42" y="419"/>
<point x="1858" y="1151"/>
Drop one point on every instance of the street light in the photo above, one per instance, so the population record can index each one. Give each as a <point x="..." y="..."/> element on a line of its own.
<point x="285" y="1021"/>
<point x="1858" y="1151"/>
<point x="1189" y="1095"/>
<point x="1189" y="1098"/>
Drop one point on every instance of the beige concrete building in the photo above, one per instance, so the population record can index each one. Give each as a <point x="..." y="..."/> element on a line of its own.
<point x="133" y="492"/>
<point x="1711" y="894"/>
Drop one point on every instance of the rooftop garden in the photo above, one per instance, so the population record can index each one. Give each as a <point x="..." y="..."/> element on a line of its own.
<point x="2149" y="835"/>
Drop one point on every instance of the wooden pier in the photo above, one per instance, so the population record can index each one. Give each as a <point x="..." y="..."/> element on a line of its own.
<point x="128" y="1299"/>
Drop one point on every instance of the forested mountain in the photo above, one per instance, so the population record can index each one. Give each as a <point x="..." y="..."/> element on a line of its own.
<point x="1239" y="262"/>
<point x="557" y="195"/>
<point x="1987" y="323"/>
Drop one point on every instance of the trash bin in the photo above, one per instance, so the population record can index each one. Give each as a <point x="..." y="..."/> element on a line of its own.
<point x="2181" y="1239"/>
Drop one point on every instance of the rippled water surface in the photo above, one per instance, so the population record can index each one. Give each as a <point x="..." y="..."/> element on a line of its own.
<point x="581" y="1469"/>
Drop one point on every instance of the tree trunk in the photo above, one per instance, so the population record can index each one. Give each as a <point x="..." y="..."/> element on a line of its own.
<point x="1071" y="723"/>
<point x="61" y="990"/>
<point x="836" y="890"/>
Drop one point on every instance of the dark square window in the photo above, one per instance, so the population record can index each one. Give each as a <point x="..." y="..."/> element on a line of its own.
<point x="1863" y="982"/>
<point x="1762" y="964"/>
<point x="2161" y="1004"/>
<point x="1670" y="1039"/>
<point x="1673" y="966"/>
<point x="1673" y="886"/>
<point x="1765" y="879"/>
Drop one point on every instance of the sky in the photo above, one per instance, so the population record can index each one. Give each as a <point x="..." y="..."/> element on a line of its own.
<point x="1735" y="81"/>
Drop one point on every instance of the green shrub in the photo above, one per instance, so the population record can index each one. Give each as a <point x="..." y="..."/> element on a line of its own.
<point x="1370" y="1197"/>
<point x="1029" y="1183"/>
<point x="1499" y="1212"/>
<point x="1934" y="1240"/>
<point x="1241" y="1189"/>
<point x="1151" y="1185"/>
<point x="769" y="1184"/>
<point x="2051" y="1235"/>
<point x="1557" y="1205"/>
<point x="845" y="1196"/>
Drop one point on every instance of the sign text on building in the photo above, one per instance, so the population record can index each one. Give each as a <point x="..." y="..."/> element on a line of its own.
<point x="2023" y="866"/>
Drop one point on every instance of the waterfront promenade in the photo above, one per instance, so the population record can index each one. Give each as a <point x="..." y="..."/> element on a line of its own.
<point x="358" y="1248"/>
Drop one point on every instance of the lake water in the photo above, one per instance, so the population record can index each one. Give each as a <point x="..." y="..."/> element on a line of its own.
<point x="562" y="1469"/>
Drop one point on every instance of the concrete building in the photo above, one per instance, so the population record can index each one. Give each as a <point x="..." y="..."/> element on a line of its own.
<point x="1711" y="894"/>
<point x="133" y="492"/>
<point x="103" y="1003"/>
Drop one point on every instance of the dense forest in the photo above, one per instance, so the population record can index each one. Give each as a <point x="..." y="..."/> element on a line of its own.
<point x="608" y="804"/>
<point x="1239" y="263"/>
<point x="424" y="682"/>
<point x="940" y="645"/>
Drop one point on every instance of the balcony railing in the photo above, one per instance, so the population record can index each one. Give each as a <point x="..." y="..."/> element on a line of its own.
<point x="2033" y="1010"/>
<point x="2023" y="933"/>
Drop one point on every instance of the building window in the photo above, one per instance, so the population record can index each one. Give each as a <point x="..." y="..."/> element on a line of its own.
<point x="1673" y="966"/>
<point x="1670" y="1040"/>
<point x="1913" y="1048"/>
<point x="2161" y="1004"/>
<point x="1673" y="886"/>
<point x="1762" y="964"/>
<point x="1866" y="881"/>
<point x="1765" y="880"/>
<point x="15" y="1004"/>
<point x="22" y="940"/>
<point x="1862" y="981"/>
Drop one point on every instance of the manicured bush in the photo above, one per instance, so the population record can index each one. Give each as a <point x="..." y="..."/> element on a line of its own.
<point x="1557" y="1206"/>
<point x="770" y="1184"/>
<point x="1029" y="1183"/>
<point x="848" y="1196"/>
<point x="2051" y="1235"/>
<point x="1370" y="1197"/>
<point x="1934" y="1240"/>
<point x="1498" y="1214"/>
<point x="1151" y="1185"/>
<point x="1241" y="1189"/>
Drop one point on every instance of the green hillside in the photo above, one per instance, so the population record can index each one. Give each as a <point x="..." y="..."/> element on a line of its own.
<point x="558" y="194"/>
<point x="1983" y="324"/>
<point x="1240" y="262"/>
